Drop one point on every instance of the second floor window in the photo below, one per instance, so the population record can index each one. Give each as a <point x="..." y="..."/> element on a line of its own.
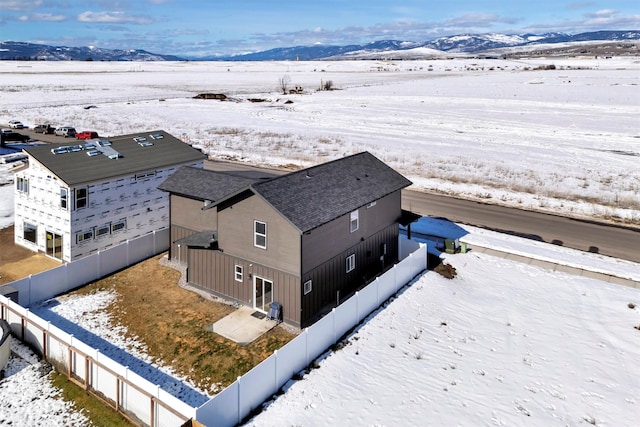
<point x="353" y="221"/>
<point x="64" y="200"/>
<point x="81" y="198"/>
<point x="260" y="234"/>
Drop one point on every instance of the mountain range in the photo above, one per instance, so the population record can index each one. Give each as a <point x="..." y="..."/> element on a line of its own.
<point x="463" y="44"/>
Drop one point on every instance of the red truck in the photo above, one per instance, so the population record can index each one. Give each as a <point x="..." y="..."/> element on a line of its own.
<point x="87" y="134"/>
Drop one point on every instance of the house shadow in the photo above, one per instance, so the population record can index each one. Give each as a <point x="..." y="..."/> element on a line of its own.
<point x="146" y="370"/>
<point x="435" y="232"/>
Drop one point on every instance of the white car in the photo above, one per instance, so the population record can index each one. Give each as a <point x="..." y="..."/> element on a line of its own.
<point x="15" y="124"/>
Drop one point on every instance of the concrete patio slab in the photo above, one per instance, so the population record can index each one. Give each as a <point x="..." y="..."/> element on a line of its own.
<point x="242" y="327"/>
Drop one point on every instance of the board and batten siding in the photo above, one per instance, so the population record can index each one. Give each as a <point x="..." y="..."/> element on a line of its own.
<point x="214" y="271"/>
<point x="235" y="235"/>
<point x="331" y="284"/>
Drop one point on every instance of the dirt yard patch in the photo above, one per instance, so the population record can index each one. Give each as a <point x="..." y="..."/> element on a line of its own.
<point x="17" y="262"/>
<point x="173" y="323"/>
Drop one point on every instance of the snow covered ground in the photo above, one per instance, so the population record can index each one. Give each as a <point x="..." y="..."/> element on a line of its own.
<point x="503" y="343"/>
<point x="563" y="139"/>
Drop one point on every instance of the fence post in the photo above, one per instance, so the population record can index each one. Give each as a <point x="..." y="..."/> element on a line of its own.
<point x="275" y="370"/>
<point x="239" y="406"/>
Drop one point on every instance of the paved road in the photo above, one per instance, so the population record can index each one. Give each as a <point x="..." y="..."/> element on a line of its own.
<point x="615" y="241"/>
<point x="611" y="240"/>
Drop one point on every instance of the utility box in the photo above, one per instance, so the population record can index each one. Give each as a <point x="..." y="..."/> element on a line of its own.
<point x="275" y="311"/>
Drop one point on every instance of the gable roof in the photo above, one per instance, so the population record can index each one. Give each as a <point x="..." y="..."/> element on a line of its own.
<point x="319" y="194"/>
<point x="204" y="184"/>
<point x="158" y="150"/>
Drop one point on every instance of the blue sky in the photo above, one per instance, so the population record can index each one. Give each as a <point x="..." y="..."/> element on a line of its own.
<point x="199" y="27"/>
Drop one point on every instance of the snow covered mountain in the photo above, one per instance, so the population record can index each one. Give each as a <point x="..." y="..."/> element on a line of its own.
<point x="444" y="46"/>
<point x="10" y="50"/>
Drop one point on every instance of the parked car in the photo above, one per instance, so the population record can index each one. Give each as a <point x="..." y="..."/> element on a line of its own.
<point x="14" y="136"/>
<point x="15" y="124"/>
<point x="66" y="131"/>
<point x="6" y="130"/>
<point x="44" y="129"/>
<point x="87" y="134"/>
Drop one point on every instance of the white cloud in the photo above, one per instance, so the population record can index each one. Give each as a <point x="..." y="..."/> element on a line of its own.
<point x="46" y="17"/>
<point x="113" y="18"/>
<point x="20" y="5"/>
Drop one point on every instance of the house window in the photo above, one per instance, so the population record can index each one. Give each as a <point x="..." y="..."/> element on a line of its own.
<point x="353" y="221"/>
<point x="85" y="235"/>
<point x="351" y="263"/>
<point x="120" y="225"/>
<point x="64" y="200"/>
<point x="260" y="234"/>
<point x="81" y="198"/>
<point x="238" y="275"/>
<point x="307" y="287"/>
<point x="30" y="232"/>
<point x="22" y="184"/>
<point x="102" y="231"/>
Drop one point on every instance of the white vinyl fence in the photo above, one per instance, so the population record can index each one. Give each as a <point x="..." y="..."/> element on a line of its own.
<point x="145" y="403"/>
<point x="42" y="286"/>
<point x="132" y="395"/>
<point x="248" y="392"/>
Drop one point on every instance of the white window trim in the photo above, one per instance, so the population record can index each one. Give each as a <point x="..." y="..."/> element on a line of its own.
<point x="64" y="198"/>
<point x="351" y="263"/>
<point x="238" y="273"/>
<point x="354" y="221"/>
<point x="307" y="287"/>
<point x="256" y="234"/>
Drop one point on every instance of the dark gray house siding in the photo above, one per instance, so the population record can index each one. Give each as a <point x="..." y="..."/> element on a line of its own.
<point x="214" y="271"/>
<point x="330" y="282"/>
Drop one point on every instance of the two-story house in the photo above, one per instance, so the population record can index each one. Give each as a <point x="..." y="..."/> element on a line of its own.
<point x="74" y="200"/>
<point x="307" y="239"/>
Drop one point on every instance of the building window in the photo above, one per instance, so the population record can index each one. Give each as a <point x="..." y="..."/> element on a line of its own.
<point x="120" y="225"/>
<point x="351" y="263"/>
<point x="307" y="287"/>
<point x="22" y="184"/>
<point x="30" y="232"/>
<point x="104" y="230"/>
<point x="238" y="270"/>
<point x="81" y="198"/>
<point x="85" y="235"/>
<point x="260" y="234"/>
<point x="353" y="221"/>
<point x="64" y="200"/>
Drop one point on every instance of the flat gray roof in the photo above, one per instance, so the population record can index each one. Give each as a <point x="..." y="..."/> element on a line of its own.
<point x="137" y="152"/>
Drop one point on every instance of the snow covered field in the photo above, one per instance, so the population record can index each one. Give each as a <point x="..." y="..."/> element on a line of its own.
<point x="563" y="139"/>
<point x="503" y="343"/>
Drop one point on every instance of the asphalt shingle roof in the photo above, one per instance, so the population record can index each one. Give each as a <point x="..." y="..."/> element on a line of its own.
<point x="77" y="167"/>
<point x="307" y="198"/>
<point x="314" y="196"/>
<point x="204" y="184"/>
